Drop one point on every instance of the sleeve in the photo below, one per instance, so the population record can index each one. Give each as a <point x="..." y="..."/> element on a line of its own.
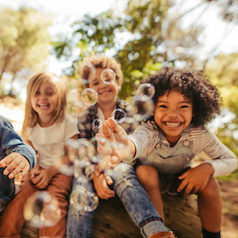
<point x="71" y="127"/>
<point x="143" y="137"/>
<point x="12" y="142"/>
<point x="223" y="160"/>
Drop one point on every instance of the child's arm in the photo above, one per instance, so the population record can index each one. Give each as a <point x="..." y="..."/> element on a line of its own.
<point x="117" y="146"/>
<point x="15" y="163"/>
<point x="19" y="155"/>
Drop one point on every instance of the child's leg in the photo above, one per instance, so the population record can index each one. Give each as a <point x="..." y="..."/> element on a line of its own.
<point x="12" y="219"/>
<point x="79" y="222"/>
<point x="210" y="207"/>
<point x="149" y="178"/>
<point x="59" y="187"/>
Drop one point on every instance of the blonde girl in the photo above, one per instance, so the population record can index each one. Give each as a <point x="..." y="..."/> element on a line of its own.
<point x="46" y="128"/>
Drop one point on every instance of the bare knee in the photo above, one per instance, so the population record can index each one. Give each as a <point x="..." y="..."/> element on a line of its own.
<point x="211" y="190"/>
<point x="147" y="175"/>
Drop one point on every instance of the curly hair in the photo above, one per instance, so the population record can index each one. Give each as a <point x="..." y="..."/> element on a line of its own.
<point x="194" y="85"/>
<point x="102" y="62"/>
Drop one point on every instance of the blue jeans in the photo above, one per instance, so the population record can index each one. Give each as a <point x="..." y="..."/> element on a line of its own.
<point x="135" y="199"/>
<point x="7" y="190"/>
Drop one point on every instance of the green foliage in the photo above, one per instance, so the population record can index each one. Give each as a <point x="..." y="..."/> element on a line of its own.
<point x="141" y="39"/>
<point x="24" y="40"/>
<point x="223" y="73"/>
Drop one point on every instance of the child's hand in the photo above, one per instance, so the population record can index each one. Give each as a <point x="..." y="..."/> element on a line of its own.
<point x="34" y="172"/>
<point x="41" y="179"/>
<point x="15" y="163"/>
<point x="101" y="183"/>
<point x="104" y="165"/>
<point x="119" y="147"/>
<point x="195" y="179"/>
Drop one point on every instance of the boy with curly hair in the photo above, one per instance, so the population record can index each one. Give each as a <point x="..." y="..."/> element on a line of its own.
<point x="166" y="144"/>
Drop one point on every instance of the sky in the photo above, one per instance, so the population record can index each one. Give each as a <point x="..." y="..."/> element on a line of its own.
<point x="66" y="12"/>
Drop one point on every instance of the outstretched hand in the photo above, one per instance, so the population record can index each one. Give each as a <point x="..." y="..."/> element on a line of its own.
<point x="15" y="163"/>
<point x="115" y="144"/>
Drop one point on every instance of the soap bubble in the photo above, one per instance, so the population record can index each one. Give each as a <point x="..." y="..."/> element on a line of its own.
<point x="97" y="123"/>
<point x="87" y="72"/>
<point x="82" y="150"/>
<point x="89" y="96"/>
<point x="108" y="76"/>
<point x="42" y="210"/>
<point x="146" y="89"/>
<point x="119" y="115"/>
<point x="143" y="107"/>
<point x="83" y="200"/>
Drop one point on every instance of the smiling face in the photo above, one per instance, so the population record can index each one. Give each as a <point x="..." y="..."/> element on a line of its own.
<point x="173" y="113"/>
<point x="44" y="101"/>
<point x="107" y="91"/>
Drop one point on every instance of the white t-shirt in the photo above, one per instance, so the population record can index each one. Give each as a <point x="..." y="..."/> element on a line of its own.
<point x="49" y="141"/>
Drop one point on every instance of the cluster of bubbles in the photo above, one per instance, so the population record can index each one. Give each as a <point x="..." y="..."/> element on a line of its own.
<point x="41" y="208"/>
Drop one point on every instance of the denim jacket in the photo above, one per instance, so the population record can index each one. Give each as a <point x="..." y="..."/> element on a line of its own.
<point x="10" y="142"/>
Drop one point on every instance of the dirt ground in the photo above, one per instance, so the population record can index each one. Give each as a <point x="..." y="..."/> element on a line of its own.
<point x="14" y="111"/>
<point x="229" y="192"/>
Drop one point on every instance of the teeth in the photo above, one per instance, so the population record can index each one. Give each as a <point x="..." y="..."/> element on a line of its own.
<point x="172" y="124"/>
<point x="43" y="106"/>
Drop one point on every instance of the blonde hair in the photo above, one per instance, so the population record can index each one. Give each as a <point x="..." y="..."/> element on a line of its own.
<point x="31" y="117"/>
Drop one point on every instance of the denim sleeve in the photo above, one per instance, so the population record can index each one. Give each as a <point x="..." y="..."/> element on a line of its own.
<point x="10" y="142"/>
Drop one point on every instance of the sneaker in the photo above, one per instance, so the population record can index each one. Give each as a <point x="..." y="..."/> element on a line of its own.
<point x="164" y="234"/>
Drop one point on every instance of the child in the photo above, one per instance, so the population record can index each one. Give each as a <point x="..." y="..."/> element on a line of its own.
<point x="125" y="184"/>
<point x="166" y="144"/>
<point x="46" y="128"/>
<point x="15" y="157"/>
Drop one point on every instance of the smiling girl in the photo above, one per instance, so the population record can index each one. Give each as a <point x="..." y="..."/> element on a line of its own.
<point x="166" y="144"/>
<point x="46" y="128"/>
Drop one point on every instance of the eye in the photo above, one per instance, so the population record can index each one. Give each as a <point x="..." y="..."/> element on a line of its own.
<point x="108" y="80"/>
<point x="162" y="106"/>
<point x="95" y="83"/>
<point x="37" y="93"/>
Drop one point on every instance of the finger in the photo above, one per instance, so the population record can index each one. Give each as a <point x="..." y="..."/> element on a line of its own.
<point x="182" y="185"/>
<point x="108" y="193"/>
<point x="102" y="165"/>
<point x="114" y="161"/>
<point x="104" y="150"/>
<point x="36" y="179"/>
<point x="7" y="160"/>
<point x="109" y="180"/>
<point x="118" y="132"/>
<point x="107" y="132"/>
<point x="188" y="189"/>
<point x="24" y="171"/>
<point x="14" y="168"/>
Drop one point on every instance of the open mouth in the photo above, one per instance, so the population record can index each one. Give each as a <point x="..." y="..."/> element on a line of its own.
<point x="43" y="106"/>
<point x="105" y="92"/>
<point x="173" y="124"/>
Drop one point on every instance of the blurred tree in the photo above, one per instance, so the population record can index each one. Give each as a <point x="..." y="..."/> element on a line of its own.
<point x="142" y="39"/>
<point x="224" y="73"/>
<point x="24" y="41"/>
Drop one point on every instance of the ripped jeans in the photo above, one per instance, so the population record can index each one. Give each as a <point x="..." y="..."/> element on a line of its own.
<point x="136" y="202"/>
